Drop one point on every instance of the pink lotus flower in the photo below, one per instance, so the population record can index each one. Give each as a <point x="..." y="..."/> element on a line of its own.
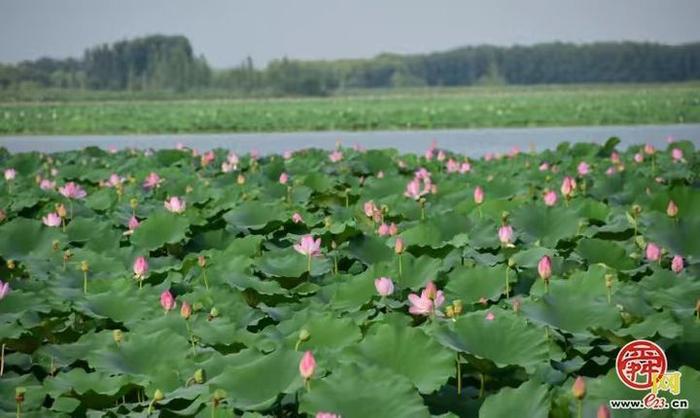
<point x="615" y="157"/>
<point x="380" y="175"/>
<point x="383" y="230"/>
<point x="185" y="310"/>
<point x="610" y="171"/>
<point x="583" y="168"/>
<point x="207" y="158"/>
<point x="287" y="155"/>
<point x="544" y="268"/>
<point x="544" y="166"/>
<point x="72" y="191"/>
<point x="478" y="195"/>
<point x="52" y="219"/>
<point x="307" y="365"/>
<point x="175" y="205"/>
<point x="505" y="234"/>
<point x="490" y="316"/>
<point x="179" y="146"/>
<point x="308" y="246"/>
<point x="254" y="154"/>
<point x="114" y="181"/>
<point x="384" y="286"/>
<point x="465" y="167"/>
<point x="335" y="156"/>
<point x="284" y="177"/>
<point x="489" y="156"/>
<point x="653" y="252"/>
<point x="233" y="159"/>
<point x="399" y="246"/>
<point x="452" y="166"/>
<point x="677" y="154"/>
<point x="167" y="301"/>
<point x="4" y="289"/>
<point x="671" y="209"/>
<point x="677" y="264"/>
<point x="296" y="218"/>
<point x="430" y="151"/>
<point x="441" y="155"/>
<point x="10" y="174"/>
<point x="514" y="152"/>
<point x="550" y="198"/>
<point x="393" y="229"/>
<point x="370" y="208"/>
<point x="603" y="412"/>
<point x="133" y="223"/>
<point x="427" y="303"/>
<point x="638" y="157"/>
<point x="153" y="180"/>
<point x="47" y="184"/>
<point x="327" y="415"/>
<point x="415" y="190"/>
<point x="568" y="185"/>
<point x="141" y="268"/>
<point x="649" y="149"/>
<point x="422" y="174"/>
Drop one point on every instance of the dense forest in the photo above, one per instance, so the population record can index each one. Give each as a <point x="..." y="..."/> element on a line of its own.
<point x="168" y="63"/>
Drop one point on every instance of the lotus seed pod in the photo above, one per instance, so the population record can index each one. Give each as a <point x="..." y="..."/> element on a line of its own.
<point x="197" y="306"/>
<point x="55" y="245"/>
<point x="450" y="311"/>
<point x="158" y="395"/>
<point x="10" y="264"/>
<point x="19" y="394"/>
<point x="516" y="305"/>
<point x="511" y="263"/>
<point x="117" y="335"/>
<point x="214" y="312"/>
<point x="458" y="306"/>
<point x="609" y="280"/>
<point x="198" y="376"/>
<point x="304" y="334"/>
<point x="240" y="179"/>
<point x="84" y="266"/>
<point x="202" y="261"/>
<point x="61" y="210"/>
<point x="133" y="202"/>
<point x="579" y="388"/>
<point x="219" y="395"/>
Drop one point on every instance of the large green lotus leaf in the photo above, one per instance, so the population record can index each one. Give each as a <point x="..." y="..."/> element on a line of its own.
<point x="370" y="249"/>
<point x="101" y="200"/>
<point x="677" y="237"/>
<point x="545" y="225"/>
<point x="253" y="381"/>
<point x="531" y="257"/>
<point x="506" y="340"/>
<point x="84" y="229"/>
<point x="326" y="331"/>
<point x="159" y="229"/>
<point x="664" y="289"/>
<point x="470" y="284"/>
<point x="23" y="238"/>
<point x="661" y="323"/>
<point x="34" y="396"/>
<point x="530" y="400"/>
<point x="596" y="250"/>
<point x="353" y="292"/>
<point x="409" y="352"/>
<point x="416" y="272"/>
<point x="436" y="231"/>
<point x="65" y="354"/>
<point x="591" y="209"/>
<point x="123" y="303"/>
<point x="369" y="392"/>
<point x="254" y="215"/>
<point x="81" y="382"/>
<point x="576" y="305"/>
<point x="143" y="357"/>
<point x="289" y="263"/>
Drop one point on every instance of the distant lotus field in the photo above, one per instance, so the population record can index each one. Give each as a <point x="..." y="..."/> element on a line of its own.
<point x="353" y="283"/>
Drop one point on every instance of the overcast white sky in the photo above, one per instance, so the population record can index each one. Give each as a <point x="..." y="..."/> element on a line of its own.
<point x="226" y="31"/>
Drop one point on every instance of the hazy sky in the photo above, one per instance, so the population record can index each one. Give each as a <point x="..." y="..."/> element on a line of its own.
<point x="227" y="31"/>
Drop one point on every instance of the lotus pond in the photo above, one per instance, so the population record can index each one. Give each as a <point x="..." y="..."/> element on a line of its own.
<point x="356" y="284"/>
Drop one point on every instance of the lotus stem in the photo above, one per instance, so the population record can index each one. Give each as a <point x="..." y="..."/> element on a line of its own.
<point x="507" y="286"/>
<point x="400" y="265"/>
<point x="653" y="164"/>
<point x="422" y="210"/>
<point x="206" y="282"/>
<point x="19" y="409"/>
<point x="2" y="361"/>
<point x="546" y="286"/>
<point x="70" y="204"/>
<point x="335" y="264"/>
<point x="459" y="376"/>
<point x="308" y="264"/>
<point x="481" y="386"/>
<point x="579" y="408"/>
<point x="85" y="282"/>
<point x="609" y="297"/>
<point x="191" y="336"/>
<point x="307" y="385"/>
<point x="289" y="194"/>
<point x="480" y="214"/>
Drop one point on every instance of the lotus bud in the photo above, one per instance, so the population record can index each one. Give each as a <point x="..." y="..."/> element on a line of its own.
<point x="653" y="252"/>
<point x="516" y="305"/>
<point x="10" y="264"/>
<point x="158" y="395"/>
<point x="603" y="412"/>
<point x="327" y="222"/>
<point x="636" y="210"/>
<point x="67" y="255"/>
<point x="483" y="301"/>
<point x="458" y="306"/>
<point x="197" y="306"/>
<point x="399" y="246"/>
<point x="202" y="261"/>
<point x="117" y="335"/>
<point x="511" y="262"/>
<point x="304" y="334"/>
<point x="198" y="376"/>
<point x="186" y="310"/>
<point x="213" y="313"/>
<point x="334" y="245"/>
<point x="218" y="396"/>
<point x="61" y="210"/>
<point x="478" y="195"/>
<point x="544" y="268"/>
<point x="19" y="394"/>
<point x="579" y="388"/>
<point x="677" y="264"/>
<point x="133" y="202"/>
<point x="84" y="266"/>
<point x="672" y="209"/>
<point x="307" y="365"/>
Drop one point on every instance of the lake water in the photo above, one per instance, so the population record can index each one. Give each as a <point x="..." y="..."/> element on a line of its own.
<point x="473" y="142"/>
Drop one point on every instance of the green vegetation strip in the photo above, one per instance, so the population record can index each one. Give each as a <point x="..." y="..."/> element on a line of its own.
<point x="409" y="109"/>
<point x="354" y="284"/>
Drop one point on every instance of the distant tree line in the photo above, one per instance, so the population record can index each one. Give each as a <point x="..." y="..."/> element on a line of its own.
<point x="160" y="63"/>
